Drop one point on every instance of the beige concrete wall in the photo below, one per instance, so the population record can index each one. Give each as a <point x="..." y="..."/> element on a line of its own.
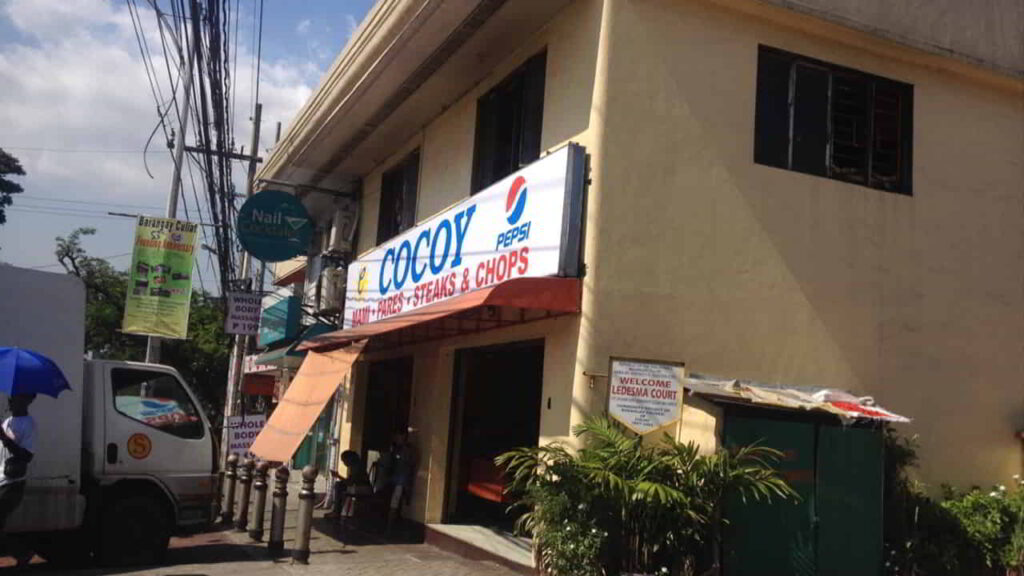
<point x="986" y="32"/>
<point x="695" y="253"/>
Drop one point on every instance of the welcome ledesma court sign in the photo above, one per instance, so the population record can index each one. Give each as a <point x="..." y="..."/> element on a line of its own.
<point x="645" y="395"/>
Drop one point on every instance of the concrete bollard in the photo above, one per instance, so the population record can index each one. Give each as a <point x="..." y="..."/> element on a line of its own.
<point x="244" y="495"/>
<point x="277" y="512"/>
<point x="306" y="501"/>
<point x="260" y="486"/>
<point x="229" y="493"/>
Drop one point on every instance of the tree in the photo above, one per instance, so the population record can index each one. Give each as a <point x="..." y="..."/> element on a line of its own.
<point x="9" y="166"/>
<point x="202" y="359"/>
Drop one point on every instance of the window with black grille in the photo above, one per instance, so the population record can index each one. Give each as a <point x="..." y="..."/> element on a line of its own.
<point x="827" y="120"/>
<point x="508" y="124"/>
<point x="398" y="198"/>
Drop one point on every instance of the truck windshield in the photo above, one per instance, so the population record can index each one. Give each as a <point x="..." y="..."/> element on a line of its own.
<point x="156" y="399"/>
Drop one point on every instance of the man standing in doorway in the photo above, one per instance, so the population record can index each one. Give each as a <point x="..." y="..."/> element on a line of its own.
<point x="396" y="470"/>
<point x="17" y="436"/>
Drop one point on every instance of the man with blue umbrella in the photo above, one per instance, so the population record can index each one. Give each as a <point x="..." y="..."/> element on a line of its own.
<point x="17" y="436"/>
<point x="23" y="374"/>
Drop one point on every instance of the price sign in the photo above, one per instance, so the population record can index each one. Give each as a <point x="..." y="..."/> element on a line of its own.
<point x="243" y="315"/>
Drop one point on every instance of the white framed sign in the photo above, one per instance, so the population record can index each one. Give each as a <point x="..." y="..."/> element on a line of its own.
<point x="524" y="225"/>
<point x="645" y="395"/>
<point x="251" y="366"/>
<point x="242" y="430"/>
<point x="243" y="313"/>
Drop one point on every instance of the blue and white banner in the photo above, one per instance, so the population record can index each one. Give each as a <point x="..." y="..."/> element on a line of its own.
<point x="525" y="225"/>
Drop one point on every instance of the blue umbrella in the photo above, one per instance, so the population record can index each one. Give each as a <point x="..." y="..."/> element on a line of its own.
<point x="27" y="372"/>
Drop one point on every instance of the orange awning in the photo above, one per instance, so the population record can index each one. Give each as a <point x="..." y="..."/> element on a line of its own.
<point x="303" y="401"/>
<point x="546" y="294"/>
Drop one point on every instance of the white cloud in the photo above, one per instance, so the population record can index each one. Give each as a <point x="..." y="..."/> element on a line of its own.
<point x="77" y="81"/>
<point x="303" y="27"/>
<point x="351" y="25"/>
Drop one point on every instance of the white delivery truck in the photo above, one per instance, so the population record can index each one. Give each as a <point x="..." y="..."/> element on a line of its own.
<point x="123" y="459"/>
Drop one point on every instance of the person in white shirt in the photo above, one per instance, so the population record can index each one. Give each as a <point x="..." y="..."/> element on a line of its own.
<point x="17" y="438"/>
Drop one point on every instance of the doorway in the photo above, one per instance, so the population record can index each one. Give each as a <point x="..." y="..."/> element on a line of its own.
<point x="496" y="405"/>
<point x="388" y="395"/>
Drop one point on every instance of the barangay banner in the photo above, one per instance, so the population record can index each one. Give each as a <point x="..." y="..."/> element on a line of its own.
<point x="160" y="281"/>
<point x="526" y="225"/>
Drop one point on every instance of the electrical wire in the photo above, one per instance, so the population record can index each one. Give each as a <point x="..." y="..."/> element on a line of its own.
<point x="73" y="150"/>
<point x="86" y="202"/>
<point x="83" y="215"/>
<point x="111" y="257"/>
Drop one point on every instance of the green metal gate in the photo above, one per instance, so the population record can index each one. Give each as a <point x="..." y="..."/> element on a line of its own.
<point x="835" y="529"/>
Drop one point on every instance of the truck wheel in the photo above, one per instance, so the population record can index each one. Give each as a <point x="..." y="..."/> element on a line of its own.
<point x="135" y="530"/>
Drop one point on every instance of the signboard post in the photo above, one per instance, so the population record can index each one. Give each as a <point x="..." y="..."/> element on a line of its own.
<point x="243" y="315"/>
<point x="526" y="225"/>
<point x="242" y="430"/>
<point x="160" y="288"/>
<point x="645" y="395"/>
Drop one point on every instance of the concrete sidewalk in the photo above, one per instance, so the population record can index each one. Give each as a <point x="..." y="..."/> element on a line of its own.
<point x="364" y="552"/>
<point x="226" y="552"/>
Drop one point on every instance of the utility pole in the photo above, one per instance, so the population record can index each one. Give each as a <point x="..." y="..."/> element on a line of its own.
<point x="241" y="342"/>
<point x="153" y="342"/>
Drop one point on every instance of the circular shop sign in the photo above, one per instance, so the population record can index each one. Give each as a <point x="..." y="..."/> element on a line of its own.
<point x="274" y="226"/>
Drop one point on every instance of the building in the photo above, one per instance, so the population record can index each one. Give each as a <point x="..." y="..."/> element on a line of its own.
<point x="812" y="193"/>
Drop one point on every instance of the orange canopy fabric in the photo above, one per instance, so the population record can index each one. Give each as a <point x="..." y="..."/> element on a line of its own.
<point x="554" y="294"/>
<point x="303" y="401"/>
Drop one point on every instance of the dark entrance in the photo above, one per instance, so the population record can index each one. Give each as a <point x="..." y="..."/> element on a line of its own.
<point x="496" y="404"/>
<point x="835" y="528"/>
<point x="387" y="402"/>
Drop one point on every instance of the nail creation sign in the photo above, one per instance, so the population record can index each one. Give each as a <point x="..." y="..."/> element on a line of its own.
<point x="274" y="226"/>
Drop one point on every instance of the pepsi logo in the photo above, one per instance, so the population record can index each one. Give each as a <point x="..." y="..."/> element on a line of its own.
<point x="515" y="202"/>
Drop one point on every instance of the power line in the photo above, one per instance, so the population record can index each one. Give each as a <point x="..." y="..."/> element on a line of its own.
<point x="74" y="150"/>
<point x="88" y="202"/>
<point x="111" y="257"/>
<point x="89" y="215"/>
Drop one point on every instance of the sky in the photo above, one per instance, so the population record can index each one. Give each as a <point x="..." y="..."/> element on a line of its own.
<point x="76" y="108"/>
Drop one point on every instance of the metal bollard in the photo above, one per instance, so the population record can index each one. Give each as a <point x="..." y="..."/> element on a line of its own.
<point x="260" y="485"/>
<point x="229" y="494"/>
<point x="306" y="496"/>
<point x="245" y="479"/>
<point x="277" y="512"/>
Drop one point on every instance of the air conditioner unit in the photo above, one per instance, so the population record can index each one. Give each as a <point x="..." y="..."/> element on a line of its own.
<point x="332" y="290"/>
<point x="311" y="294"/>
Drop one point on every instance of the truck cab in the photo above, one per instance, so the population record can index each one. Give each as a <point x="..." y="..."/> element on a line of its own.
<point x="123" y="459"/>
<point x="148" y="469"/>
<point x="145" y="428"/>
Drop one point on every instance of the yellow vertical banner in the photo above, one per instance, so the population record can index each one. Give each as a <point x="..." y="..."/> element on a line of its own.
<point x="160" y="279"/>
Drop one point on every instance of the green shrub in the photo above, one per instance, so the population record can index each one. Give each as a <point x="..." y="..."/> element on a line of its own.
<point x="618" y="505"/>
<point x="966" y="533"/>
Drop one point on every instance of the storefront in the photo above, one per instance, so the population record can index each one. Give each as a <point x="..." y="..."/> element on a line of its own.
<point x="467" y="324"/>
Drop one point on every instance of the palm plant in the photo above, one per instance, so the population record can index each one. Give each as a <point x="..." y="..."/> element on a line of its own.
<point x="620" y="505"/>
